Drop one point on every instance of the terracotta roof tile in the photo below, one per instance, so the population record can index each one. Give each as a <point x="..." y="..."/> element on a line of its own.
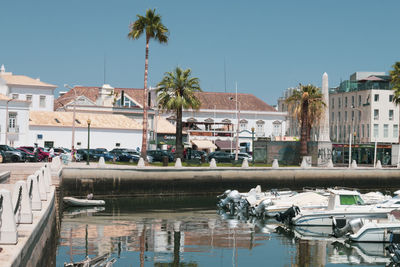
<point x="24" y="80"/>
<point x="208" y="100"/>
<point x="64" y="119"/>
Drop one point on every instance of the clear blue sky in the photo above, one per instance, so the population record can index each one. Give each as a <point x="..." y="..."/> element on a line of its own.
<point x="268" y="46"/>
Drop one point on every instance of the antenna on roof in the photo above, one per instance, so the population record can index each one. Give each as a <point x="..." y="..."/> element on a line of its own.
<point x="104" y="73"/>
<point x="225" y="73"/>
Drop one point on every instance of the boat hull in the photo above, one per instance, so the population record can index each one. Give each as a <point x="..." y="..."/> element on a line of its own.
<point x="376" y="233"/>
<point x="76" y="202"/>
<point x="325" y="218"/>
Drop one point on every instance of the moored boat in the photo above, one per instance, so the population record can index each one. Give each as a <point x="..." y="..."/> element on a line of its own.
<point x="78" y="202"/>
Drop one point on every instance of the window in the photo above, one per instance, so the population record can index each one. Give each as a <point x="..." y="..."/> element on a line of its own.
<point x="351" y="200"/>
<point x="243" y="125"/>
<point x="42" y="102"/>
<point x="359" y="100"/>
<point x="390" y="114"/>
<point x="29" y="98"/>
<point x="339" y="116"/>
<point x="14" y="96"/>
<point x="376" y="130"/>
<point x="359" y="115"/>
<point x="395" y="130"/>
<point x="12" y="121"/>
<point x="390" y="98"/>
<point x="260" y="128"/>
<point x="368" y="130"/>
<point x="277" y="128"/>
<point x="352" y="115"/>
<point x="386" y="130"/>
<point x="345" y="116"/>
<point x="376" y="114"/>
<point x="345" y="102"/>
<point x="376" y="97"/>
<point x="333" y="116"/>
<point x="352" y="100"/>
<point x="333" y="103"/>
<point x="340" y="102"/>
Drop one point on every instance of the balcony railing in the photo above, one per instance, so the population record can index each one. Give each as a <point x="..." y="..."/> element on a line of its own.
<point x="13" y="130"/>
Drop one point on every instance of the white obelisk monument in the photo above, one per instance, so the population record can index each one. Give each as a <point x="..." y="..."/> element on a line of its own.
<point x="322" y="152"/>
<point x="324" y="123"/>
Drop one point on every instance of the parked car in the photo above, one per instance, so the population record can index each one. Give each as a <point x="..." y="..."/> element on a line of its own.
<point x="197" y="154"/>
<point x="242" y="156"/>
<point x="29" y="156"/>
<point x="102" y="152"/>
<point x="11" y="154"/>
<point x="159" y="154"/>
<point x="42" y="154"/>
<point x="2" y="157"/>
<point x="220" y="156"/>
<point x="123" y="155"/>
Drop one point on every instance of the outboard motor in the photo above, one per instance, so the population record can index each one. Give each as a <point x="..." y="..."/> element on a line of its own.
<point x="230" y="201"/>
<point x="223" y="195"/>
<point x="287" y="216"/>
<point x="396" y="257"/>
<point x="341" y="228"/>
<point x="259" y="210"/>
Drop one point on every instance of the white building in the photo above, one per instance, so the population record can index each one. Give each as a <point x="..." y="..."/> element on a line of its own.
<point x="217" y="120"/>
<point x="48" y="129"/>
<point x="363" y="107"/>
<point x="20" y="87"/>
<point x="14" y="122"/>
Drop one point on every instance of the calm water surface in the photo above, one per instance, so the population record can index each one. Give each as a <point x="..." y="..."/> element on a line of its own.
<point x="187" y="231"/>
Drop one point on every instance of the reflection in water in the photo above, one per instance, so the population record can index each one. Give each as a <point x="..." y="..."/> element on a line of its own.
<point x="188" y="232"/>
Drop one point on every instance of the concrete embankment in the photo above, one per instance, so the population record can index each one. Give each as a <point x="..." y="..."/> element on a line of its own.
<point x="174" y="181"/>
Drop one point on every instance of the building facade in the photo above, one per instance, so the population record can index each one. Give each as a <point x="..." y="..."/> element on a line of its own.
<point x="362" y="107"/>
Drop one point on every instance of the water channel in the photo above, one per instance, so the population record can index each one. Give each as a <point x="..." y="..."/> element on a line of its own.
<point x="188" y="231"/>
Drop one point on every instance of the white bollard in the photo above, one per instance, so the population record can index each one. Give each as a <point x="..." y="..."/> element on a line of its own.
<point x="378" y="165"/>
<point x="24" y="212"/>
<point x="330" y="164"/>
<point x="178" y="163"/>
<point x="101" y="163"/>
<point x="8" y="229"/>
<point x="275" y="164"/>
<point x="213" y="164"/>
<point x="33" y="192"/>
<point x="55" y="163"/>
<point x="354" y="164"/>
<point x="45" y="180"/>
<point x="141" y="163"/>
<point x="245" y="163"/>
<point x="48" y="175"/>
<point x="304" y="163"/>
<point x="42" y="188"/>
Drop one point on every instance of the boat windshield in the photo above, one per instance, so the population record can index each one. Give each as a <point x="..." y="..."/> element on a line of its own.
<point x="351" y="200"/>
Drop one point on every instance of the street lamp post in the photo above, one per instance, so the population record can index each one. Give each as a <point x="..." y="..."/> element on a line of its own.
<point x="352" y="130"/>
<point x="73" y="121"/>
<point x="237" y="128"/>
<point x="252" y="144"/>
<point x="88" y="143"/>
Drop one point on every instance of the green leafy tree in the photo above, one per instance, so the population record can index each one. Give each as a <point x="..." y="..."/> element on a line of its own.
<point x="176" y="92"/>
<point x="395" y="83"/>
<point x="308" y="109"/>
<point x="152" y="27"/>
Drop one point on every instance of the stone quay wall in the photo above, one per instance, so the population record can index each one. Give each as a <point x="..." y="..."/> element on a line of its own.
<point x="213" y="181"/>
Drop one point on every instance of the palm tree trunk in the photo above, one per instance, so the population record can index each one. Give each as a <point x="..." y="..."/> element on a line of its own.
<point x="144" y="133"/>
<point x="178" y="141"/>
<point x="304" y="129"/>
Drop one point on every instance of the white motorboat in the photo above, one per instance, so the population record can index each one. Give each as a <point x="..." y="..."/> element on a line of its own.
<point x="371" y="230"/>
<point x="78" y="202"/>
<point x="343" y="205"/>
<point x="306" y="200"/>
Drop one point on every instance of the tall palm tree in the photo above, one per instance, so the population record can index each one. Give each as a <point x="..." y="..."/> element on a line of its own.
<point x="309" y="107"/>
<point x="176" y="92"/>
<point x="395" y="83"/>
<point x="152" y="26"/>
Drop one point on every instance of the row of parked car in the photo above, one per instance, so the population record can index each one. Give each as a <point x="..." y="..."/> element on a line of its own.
<point x="27" y="154"/>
